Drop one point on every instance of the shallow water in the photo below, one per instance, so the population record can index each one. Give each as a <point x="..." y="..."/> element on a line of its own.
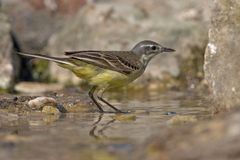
<point x="94" y="135"/>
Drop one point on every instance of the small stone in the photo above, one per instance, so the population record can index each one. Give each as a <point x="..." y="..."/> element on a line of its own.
<point x="50" y="110"/>
<point x="40" y="102"/>
<point x="180" y="119"/>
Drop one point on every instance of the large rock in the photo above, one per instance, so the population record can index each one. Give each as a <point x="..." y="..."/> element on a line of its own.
<point x="34" y="21"/>
<point x="9" y="64"/>
<point x="222" y="54"/>
<point x="121" y="24"/>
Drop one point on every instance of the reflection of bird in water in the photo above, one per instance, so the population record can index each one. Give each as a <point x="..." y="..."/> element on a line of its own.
<point x="99" y="133"/>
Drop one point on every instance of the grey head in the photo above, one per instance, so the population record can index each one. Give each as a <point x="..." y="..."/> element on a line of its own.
<point x="147" y="49"/>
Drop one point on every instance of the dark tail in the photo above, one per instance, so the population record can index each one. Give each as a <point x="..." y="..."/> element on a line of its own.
<point x="49" y="58"/>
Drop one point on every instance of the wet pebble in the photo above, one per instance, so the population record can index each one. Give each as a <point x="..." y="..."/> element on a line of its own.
<point x="39" y="102"/>
<point x="50" y="110"/>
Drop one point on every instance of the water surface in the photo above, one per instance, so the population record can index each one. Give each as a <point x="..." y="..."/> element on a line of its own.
<point x="95" y="135"/>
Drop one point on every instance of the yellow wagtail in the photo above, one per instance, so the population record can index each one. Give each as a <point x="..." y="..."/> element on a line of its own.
<point x="107" y="69"/>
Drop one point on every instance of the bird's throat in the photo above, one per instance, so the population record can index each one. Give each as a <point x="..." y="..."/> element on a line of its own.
<point x="145" y="59"/>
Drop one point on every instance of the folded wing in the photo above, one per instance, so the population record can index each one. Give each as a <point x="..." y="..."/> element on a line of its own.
<point x="121" y="61"/>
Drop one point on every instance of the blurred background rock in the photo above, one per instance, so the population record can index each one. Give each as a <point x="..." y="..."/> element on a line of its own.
<point x="52" y="27"/>
<point x="222" y="54"/>
<point x="8" y="61"/>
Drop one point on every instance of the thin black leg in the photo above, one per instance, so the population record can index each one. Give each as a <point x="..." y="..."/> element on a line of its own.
<point x="91" y="95"/>
<point x="111" y="106"/>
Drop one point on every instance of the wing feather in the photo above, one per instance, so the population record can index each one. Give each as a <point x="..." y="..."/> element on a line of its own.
<point x="112" y="60"/>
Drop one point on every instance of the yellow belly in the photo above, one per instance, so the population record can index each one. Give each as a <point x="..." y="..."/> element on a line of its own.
<point x="110" y="79"/>
<point x="98" y="76"/>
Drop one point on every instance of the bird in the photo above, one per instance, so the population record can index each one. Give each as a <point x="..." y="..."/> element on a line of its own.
<point x="105" y="70"/>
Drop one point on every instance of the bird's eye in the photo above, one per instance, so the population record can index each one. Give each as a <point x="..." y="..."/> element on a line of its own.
<point x="153" y="48"/>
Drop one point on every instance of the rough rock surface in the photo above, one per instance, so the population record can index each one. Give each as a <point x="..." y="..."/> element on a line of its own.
<point x="8" y="62"/>
<point x="121" y="24"/>
<point x="73" y="102"/>
<point x="222" y="54"/>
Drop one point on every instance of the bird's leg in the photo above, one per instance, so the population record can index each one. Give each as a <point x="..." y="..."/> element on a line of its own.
<point x="107" y="103"/>
<point x="110" y="105"/>
<point x="91" y="95"/>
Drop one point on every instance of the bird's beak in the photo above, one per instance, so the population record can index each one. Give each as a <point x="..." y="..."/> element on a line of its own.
<point x="168" y="49"/>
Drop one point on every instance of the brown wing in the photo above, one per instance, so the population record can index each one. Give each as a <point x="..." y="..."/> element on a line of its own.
<point x="121" y="61"/>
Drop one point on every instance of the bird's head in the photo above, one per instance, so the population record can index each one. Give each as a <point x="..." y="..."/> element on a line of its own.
<point x="147" y="49"/>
